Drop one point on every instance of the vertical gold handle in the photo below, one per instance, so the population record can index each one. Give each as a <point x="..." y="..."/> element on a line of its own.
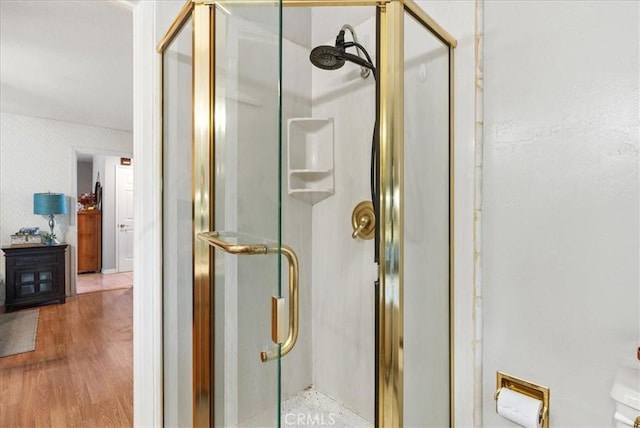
<point x="213" y="238"/>
<point x="277" y="323"/>
<point x="294" y="278"/>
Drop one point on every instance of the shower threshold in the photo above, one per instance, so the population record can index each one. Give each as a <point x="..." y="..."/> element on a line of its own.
<point x="313" y="408"/>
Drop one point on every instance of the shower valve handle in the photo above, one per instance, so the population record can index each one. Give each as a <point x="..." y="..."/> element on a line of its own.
<point x="362" y="224"/>
<point x="363" y="221"/>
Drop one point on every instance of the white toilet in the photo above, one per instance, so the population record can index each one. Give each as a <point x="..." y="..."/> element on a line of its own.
<point x="626" y="393"/>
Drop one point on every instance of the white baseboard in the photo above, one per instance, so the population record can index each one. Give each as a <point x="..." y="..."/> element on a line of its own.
<point x="108" y="271"/>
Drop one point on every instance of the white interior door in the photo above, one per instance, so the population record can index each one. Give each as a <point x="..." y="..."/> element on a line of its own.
<point x="124" y="218"/>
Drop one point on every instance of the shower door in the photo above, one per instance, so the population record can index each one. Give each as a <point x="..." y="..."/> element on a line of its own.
<point x="247" y="200"/>
<point x="225" y="323"/>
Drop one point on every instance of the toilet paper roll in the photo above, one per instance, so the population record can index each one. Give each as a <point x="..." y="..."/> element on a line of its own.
<point x="519" y="408"/>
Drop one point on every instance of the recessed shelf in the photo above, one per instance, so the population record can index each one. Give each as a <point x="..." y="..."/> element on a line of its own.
<point x="310" y="158"/>
<point x="311" y="174"/>
<point x="311" y="196"/>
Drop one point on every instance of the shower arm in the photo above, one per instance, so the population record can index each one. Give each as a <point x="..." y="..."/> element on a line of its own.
<point x="364" y="71"/>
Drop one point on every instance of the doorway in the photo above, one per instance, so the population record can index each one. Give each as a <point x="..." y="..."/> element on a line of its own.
<point x="95" y="262"/>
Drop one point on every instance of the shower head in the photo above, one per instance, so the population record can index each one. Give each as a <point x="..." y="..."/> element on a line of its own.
<point x="327" y="57"/>
<point x="334" y="57"/>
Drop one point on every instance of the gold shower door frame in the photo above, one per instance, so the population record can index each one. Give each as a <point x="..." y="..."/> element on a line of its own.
<point x="390" y="116"/>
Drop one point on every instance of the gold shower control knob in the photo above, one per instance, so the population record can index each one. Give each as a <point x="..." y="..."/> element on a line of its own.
<point x="363" y="220"/>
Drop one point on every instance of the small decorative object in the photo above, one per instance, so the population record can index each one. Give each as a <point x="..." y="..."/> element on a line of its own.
<point x="49" y="239"/>
<point x="26" y="236"/>
<point x="29" y="231"/>
<point x="86" y="201"/>
<point x="49" y="204"/>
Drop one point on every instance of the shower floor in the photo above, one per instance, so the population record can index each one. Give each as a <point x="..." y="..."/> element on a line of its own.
<point x="311" y="408"/>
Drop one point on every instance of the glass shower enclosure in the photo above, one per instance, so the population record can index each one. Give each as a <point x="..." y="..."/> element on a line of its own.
<point x="285" y="302"/>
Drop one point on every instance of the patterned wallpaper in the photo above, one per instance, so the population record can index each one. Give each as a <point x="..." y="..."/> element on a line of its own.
<point x="38" y="155"/>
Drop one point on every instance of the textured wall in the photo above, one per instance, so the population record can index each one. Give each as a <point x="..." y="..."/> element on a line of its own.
<point x="39" y="155"/>
<point x="561" y="201"/>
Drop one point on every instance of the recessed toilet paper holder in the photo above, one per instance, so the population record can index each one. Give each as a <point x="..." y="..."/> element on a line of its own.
<point x="525" y="387"/>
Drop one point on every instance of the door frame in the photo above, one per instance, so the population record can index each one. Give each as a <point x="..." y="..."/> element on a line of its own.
<point x="72" y="288"/>
<point x="147" y="263"/>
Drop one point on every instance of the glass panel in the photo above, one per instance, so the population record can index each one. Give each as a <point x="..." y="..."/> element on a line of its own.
<point x="27" y="289"/>
<point x="247" y="195"/>
<point x="44" y="286"/>
<point x="177" y="229"/>
<point x="426" y="228"/>
<point x="44" y="276"/>
<point x="27" y="277"/>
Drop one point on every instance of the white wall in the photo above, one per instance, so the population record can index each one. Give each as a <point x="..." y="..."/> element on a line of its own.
<point x="39" y="155"/>
<point x="561" y="201"/>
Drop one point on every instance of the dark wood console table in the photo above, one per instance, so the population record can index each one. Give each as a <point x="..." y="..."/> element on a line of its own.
<point x="35" y="275"/>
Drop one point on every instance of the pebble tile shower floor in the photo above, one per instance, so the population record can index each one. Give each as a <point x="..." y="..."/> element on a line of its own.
<point x="312" y="408"/>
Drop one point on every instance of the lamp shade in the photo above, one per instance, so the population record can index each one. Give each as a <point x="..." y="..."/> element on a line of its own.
<point x="49" y="203"/>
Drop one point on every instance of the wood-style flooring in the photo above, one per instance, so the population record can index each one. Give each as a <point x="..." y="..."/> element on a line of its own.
<point x="81" y="373"/>
<point x="92" y="282"/>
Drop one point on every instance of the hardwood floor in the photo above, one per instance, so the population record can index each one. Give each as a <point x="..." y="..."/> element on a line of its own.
<point x="92" y="282"/>
<point x="81" y="373"/>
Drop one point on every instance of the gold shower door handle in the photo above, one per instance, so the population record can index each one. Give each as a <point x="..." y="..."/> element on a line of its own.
<point x="213" y="238"/>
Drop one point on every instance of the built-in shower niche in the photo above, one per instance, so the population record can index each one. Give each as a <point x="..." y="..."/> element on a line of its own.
<point x="310" y="157"/>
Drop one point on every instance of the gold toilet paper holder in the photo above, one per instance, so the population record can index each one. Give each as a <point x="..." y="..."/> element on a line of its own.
<point x="525" y="387"/>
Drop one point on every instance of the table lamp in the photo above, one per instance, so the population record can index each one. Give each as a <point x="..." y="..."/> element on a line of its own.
<point x="49" y="204"/>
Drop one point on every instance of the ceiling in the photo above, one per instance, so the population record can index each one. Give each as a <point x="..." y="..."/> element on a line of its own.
<point x="68" y="60"/>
